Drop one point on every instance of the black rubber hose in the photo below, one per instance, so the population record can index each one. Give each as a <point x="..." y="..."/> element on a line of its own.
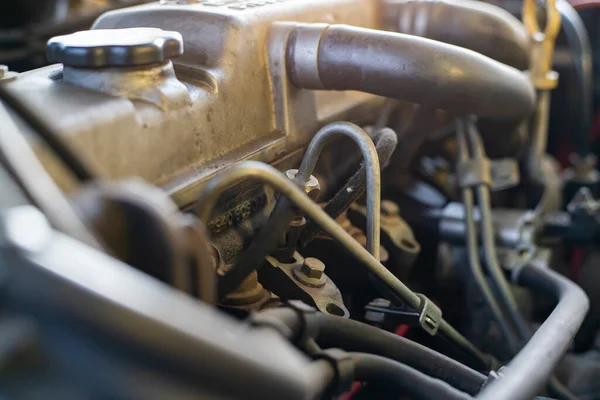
<point x="385" y="143"/>
<point x="475" y="25"/>
<point x="352" y="335"/>
<point x="52" y="138"/>
<point x="532" y="368"/>
<point x="405" y="380"/>
<point x="475" y="268"/>
<point x="579" y="43"/>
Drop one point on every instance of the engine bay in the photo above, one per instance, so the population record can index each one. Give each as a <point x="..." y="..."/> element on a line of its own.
<point x="302" y="199"/>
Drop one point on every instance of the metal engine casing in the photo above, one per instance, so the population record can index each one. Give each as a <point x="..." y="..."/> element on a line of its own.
<point x="238" y="102"/>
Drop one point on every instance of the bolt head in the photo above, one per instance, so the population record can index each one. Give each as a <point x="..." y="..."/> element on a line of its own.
<point x="313" y="268"/>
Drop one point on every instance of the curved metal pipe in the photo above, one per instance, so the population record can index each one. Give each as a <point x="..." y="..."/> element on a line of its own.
<point x="371" y="163"/>
<point x="527" y="373"/>
<point x="410" y="68"/>
<point x="475" y="25"/>
<point x="386" y="140"/>
<point x="270" y="176"/>
<point x="489" y="241"/>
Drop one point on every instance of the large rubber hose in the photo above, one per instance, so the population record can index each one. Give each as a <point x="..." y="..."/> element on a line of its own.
<point x="410" y="68"/>
<point x="355" y="336"/>
<point x="403" y="379"/>
<point x="481" y="27"/>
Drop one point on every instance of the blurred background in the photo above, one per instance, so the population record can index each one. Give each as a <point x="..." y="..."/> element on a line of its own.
<point x="26" y="25"/>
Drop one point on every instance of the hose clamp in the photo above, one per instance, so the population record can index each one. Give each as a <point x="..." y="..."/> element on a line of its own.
<point x="430" y="315"/>
<point x="263" y="321"/>
<point x="343" y="365"/>
<point x="308" y="320"/>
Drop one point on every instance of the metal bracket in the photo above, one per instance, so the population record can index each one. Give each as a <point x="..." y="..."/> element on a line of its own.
<point x="505" y="174"/>
<point x="497" y="174"/>
<point x="474" y="172"/>
<point x="428" y="316"/>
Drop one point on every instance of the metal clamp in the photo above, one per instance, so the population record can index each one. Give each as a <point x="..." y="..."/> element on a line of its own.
<point x="542" y="75"/>
<point x="343" y="366"/>
<point x="505" y="174"/>
<point x="264" y="321"/>
<point x="474" y="172"/>
<point x="430" y="315"/>
<point x="308" y="320"/>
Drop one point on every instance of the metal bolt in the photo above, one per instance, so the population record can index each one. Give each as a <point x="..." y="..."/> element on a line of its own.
<point x="389" y="208"/>
<point x="311" y="187"/>
<point x="313" y="268"/>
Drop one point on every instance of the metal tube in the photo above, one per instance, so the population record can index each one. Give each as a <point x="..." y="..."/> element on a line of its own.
<point x="371" y="163"/>
<point x="489" y="242"/>
<point x="409" y="68"/>
<point x="539" y="137"/>
<point x="386" y="140"/>
<point x="533" y="366"/>
<point x="472" y="249"/>
<point x="474" y="25"/>
<point x="270" y="176"/>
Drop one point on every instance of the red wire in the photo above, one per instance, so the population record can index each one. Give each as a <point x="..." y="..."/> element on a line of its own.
<point x="402" y="330"/>
<point x="356" y="386"/>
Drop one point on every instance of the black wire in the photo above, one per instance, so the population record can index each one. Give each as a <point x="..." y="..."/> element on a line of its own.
<point x="52" y="138"/>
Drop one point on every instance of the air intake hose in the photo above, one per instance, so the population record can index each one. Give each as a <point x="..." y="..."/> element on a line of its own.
<point x="409" y="68"/>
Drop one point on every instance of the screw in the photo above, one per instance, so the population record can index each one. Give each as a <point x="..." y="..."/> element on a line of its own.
<point x="389" y="208"/>
<point x="313" y="268"/>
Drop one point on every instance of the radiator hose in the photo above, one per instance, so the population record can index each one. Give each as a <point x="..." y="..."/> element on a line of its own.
<point x="409" y="68"/>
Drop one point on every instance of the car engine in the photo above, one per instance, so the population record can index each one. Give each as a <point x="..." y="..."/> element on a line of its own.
<point x="302" y="199"/>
